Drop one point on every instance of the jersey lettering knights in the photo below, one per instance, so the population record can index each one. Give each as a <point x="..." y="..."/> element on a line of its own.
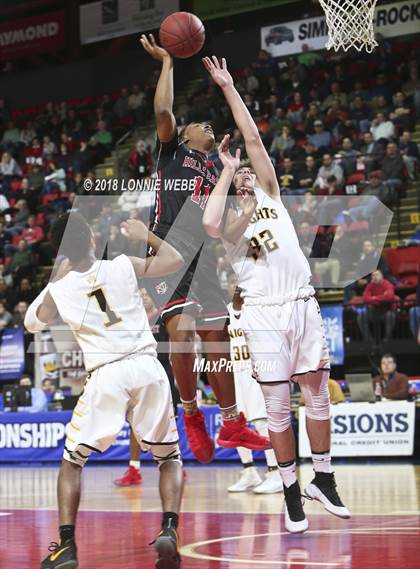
<point x="180" y="206"/>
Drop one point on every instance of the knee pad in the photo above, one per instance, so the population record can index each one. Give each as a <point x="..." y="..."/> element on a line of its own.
<point x="277" y="402"/>
<point x="314" y="387"/>
<point x="165" y="453"/>
<point x="77" y="456"/>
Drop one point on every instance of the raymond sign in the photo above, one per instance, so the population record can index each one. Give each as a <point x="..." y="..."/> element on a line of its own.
<point x="38" y="34"/>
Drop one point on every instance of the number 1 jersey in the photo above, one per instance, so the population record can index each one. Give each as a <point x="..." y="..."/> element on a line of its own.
<point x="105" y="311"/>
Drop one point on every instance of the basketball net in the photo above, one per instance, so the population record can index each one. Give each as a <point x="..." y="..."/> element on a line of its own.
<point x="350" y="24"/>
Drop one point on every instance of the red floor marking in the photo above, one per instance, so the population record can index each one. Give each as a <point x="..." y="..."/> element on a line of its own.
<point x="110" y="539"/>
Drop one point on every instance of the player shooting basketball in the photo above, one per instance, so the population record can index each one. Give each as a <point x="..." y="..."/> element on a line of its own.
<point x="281" y="317"/>
<point x="178" y="219"/>
<point x="100" y="302"/>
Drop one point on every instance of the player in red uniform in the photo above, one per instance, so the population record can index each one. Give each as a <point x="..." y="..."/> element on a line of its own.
<point x="195" y="296"/>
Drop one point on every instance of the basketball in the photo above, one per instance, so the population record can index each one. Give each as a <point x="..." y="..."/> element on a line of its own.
<point x="182" y="34"/>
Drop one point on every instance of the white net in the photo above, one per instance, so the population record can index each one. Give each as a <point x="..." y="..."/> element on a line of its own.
<point x="350" y="24"/>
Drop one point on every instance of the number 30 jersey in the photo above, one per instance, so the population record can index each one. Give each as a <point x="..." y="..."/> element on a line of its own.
<point x="104" y="310"/>
<point x="269" y="264"/>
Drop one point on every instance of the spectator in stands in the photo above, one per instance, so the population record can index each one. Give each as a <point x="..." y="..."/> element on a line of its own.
<point x="101" y="141"/>
<point x="321" y="138"/>
<point x="248" y="82"/>
<point x="278" y="121"/>
<point x="359" y="114"/>
<point x="393" y="385"/>
<point x="39" y="399"/>
<point x="392" y="166"/>
<point x="379" y="299"/>
<point x="36" y="178"/>
<point x="24" y="291"/>
<point x="136" y="103"/>
<point x="288" y="178"/>
<point x="4" y="203"/>
<point x="307" y="57"/>
<point x="308" y="174"/>
<point x="5" y="292"/>
<point x="33" y="233"/>
<point x="411" y="88"/>
<point x="281" y="144"/>
<point x="19" y="312"/>
<point x="27" y="134"/>
<point x="410" y="154"/>
<point x="414" y="315"/>
<point x="5" y="316"/>
<point x="11" y="137"/>
<point x="296" y="108"/>
<point x="20" y="218"/>
<point x="8" y="169"/>
<point x="82" y="158"/>
<point x="382" y="130"/>
<point x="307" y="211"/>
<point x="335" y="95"/>
<point x="140" y="161"/>
<point x="336" y="250"/>
<point x="22" y="261"/>
<point x="329" y="168"/>
<point x="313" y="114"/>
<point x="372" y="152"/>
<point x="121" y="107"/>
<point x="55" y="180"/>
<point x="48" y="148"/>
<point x="401" y="114"/>
<point x="348" y="157"/>
<point x="377" y="188"/>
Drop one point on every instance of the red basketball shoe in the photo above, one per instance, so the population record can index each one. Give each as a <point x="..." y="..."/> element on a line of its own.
<point x="132" y="477"/>
<point x="236" y="433"/>
<point x="200" y="443"/>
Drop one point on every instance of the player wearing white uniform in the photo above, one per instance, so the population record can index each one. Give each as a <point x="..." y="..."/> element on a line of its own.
<point x="250" y="401"/>
<point x="281" y="316"/>
<point x="100" y="302"/>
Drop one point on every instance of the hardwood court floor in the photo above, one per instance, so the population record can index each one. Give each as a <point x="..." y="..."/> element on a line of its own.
<point x="218" y="530"/>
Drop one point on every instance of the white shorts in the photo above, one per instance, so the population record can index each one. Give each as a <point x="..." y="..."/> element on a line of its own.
<point x="249" y="397"/>
<point x="135" y="388"/>
<point x="286" y="340"/>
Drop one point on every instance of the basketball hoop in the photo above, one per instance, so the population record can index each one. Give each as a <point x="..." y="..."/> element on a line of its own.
<point x="350" y="24"/>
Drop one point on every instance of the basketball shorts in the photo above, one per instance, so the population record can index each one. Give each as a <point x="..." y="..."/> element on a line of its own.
<point x="249" y="397"/>
<point x="286" y="340"/>
<point x="195" y="289"/>
<point x="134" y="388"/>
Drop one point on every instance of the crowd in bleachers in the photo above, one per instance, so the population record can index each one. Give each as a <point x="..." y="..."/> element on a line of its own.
<point x="330" y="125"/>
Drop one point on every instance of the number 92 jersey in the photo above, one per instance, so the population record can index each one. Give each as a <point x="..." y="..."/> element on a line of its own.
<point x="268" y="260"/>
<point x="104" y="310"/>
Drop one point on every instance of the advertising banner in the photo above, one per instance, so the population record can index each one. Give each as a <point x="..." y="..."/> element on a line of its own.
<point x="367" y="429"/>
<point x="391" y="20"/>
<point x="28" y="36"/>
<point x="12" y="354"/>
<point x="26" y="437"/>
<point x="209" y="9"/>
<point x="333" y="326"/>
<point x="113" y="18"/>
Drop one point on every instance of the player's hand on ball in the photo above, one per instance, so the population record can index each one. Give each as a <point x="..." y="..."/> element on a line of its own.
<point x="153" y="48"/>
<point x="218" y="72"/>
<point x="248" y="204"/>
<point x="135" y="230"/>
<point x="226" y="157"/>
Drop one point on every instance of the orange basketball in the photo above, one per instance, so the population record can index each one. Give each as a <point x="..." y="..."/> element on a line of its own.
<point x="182" y="34"/>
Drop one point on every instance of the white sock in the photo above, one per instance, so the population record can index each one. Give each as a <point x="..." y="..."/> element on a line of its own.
<point x="288" y="473"/>
<point x="270" y="457"/>
<point x="262" y="429"/>
<point x="322" y="461"/>
<point x="245" y="455"/>
<point x="135" y="464"/>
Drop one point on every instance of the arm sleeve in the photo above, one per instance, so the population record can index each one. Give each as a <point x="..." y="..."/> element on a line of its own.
<point x="32" y="322"/>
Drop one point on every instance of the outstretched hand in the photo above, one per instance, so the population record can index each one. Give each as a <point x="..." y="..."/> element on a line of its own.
<point x="135" y="230"/>
<point x="226" y="157"/>
<point x="218" y="73"/>
<point x="248" y="204"/>
<point x="153" y="48"/>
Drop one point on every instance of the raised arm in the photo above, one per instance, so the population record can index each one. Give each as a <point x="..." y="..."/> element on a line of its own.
<point x="255" y="149"/>
<point x="164" y="95"/>
<point x="167" y="259"/>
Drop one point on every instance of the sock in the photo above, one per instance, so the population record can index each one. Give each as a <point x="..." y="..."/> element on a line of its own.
<point x="229" y="413"/>
<point x="248" y="464"/>
<point x="135" y="464"/>
<point x="245" y="455"/>
<point x="190" y="407"/>
<point x="170" y="519"/>
<point x="262" y="429"/>
<point x="322" y="461"/>
<point x="66" y="533"/>
<point x="288" y="472"/>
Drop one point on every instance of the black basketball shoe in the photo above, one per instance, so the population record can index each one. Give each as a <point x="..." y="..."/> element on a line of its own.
<point x="294" y="516"/>
<point x="62" y="556"/>
<point x="323" y="489"/>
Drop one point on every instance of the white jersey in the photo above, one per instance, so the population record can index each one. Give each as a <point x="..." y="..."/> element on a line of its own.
<point x="268" y="261"/>
<point x="239" y="354"/>
<point x="105" y="311"/>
